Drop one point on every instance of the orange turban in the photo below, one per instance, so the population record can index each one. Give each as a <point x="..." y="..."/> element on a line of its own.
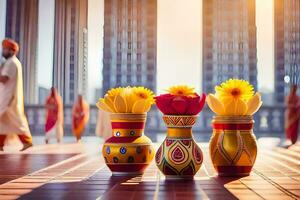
<point x="10" y="44"/>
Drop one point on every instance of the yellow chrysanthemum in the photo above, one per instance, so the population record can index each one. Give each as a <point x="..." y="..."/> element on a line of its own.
<point x="114" y="92"/>
<point x="234" y="89"/>
<point x="181" y="90"/>
<point x="127" y="100"/>
<point x="141" y="93"/>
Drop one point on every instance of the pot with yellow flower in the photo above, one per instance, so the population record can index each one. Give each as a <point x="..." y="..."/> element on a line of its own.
<point x="233" y="144"/>
<point x="179" y="156"/>
<point x="128" y="151"/>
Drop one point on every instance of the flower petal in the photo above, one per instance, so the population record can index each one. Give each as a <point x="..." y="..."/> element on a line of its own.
<point x="196" y="104"/>
<point x="102" y="106"/>
<point x="120" y="104"/>
<point x="139" y="106"/>
<point x="230" y="108"/>
<point x="127" y="96"/>
<point x="109" y="103"/>
<point x="163" y="103"/>
<point x="180" y="105"/>
<point x="254" y="104"/>
<point x="241" y="107"/>
<point x="215" y="105"/>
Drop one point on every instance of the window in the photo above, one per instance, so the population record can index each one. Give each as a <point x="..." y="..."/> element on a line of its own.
<point x="119" y="45"/>
<point x="119" y="34"/>
<point x="129" y="45"/>
<point x="118" y="79"/>
<point x="230" y="68"/>
<point x="129" y="56"/>
<point x="139" y="78"/>
<point x="139" y="57"/>
<point x="119" y="56"/>
<point x="139" y="67"/>
<point x="129" y="23"/>
<point x="241" y="68"/>
<point x="128" y="68"/>
<point x="241" y="46"/>
<point x="139" y="45"/>
<point x="128" y="79"/>
<point x="118" y="68"/>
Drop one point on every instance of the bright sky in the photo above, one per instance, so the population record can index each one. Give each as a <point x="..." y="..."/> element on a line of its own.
<point x="265" y="44"/>
<point x="95" y="45"/>
<point x="179" y="44"/>
<point x="45" y="42"/>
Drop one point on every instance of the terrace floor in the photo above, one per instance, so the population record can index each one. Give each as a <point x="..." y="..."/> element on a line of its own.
<point x="77" y="171"/>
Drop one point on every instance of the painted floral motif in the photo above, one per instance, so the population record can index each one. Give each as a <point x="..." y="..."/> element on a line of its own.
<point x="169" y="142"/>
<point x="197" y="153"/>
<point x="158" y="155"/>
<point x="177" y="155"/>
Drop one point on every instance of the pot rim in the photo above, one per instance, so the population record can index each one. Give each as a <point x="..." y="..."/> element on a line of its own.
<point x="180" y="115"/>
<point x="233" y="116"/>
<point x="128" y="116"/>
<point x="232" y="119"/>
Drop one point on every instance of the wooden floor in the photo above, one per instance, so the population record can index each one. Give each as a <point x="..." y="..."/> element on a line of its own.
<point x="77" y="171"/>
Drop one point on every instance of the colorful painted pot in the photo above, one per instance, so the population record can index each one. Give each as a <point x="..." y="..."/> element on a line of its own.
<point x="179" y="156"/>
<point x="128" y="151"/>
<point x="233" y="145"/>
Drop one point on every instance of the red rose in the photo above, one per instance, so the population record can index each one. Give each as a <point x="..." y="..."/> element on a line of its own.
<point x="170" y="104"/>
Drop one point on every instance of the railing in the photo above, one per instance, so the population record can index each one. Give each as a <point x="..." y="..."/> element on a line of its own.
<point x="268" y="121"/>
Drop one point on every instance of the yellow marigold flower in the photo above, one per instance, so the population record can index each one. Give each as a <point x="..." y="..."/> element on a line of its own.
<point x="234" y="89"/>
<point x="181" y="90"/>
<point x="141" y="93"/>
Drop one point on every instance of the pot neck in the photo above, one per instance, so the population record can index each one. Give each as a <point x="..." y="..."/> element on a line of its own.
<point x="127" y="129"/>
<point x="128" y="125"/>
<point x="175" y="132"/>
<point x="233" y="123"/>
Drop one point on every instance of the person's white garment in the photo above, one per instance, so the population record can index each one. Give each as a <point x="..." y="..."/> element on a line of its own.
<point x="12" y="116"/>
<point x="103" y="126"/>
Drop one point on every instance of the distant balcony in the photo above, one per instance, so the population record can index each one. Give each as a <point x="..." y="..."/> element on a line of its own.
<point x="269" y="121"/>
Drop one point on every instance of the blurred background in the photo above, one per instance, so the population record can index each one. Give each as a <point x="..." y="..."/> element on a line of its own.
<point x="88" y="46"/>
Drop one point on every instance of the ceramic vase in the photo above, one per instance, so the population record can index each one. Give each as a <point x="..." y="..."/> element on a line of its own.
<point x="179" y="156"/>
<point x="233" y="145"/>
<point x="128" y="151"/>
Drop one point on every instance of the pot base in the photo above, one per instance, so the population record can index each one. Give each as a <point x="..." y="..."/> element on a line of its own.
<point x="233" y="170"/>
<point x="127" y="169"/>
<point x="175" y="177"/>
<point x="138" y="173"/>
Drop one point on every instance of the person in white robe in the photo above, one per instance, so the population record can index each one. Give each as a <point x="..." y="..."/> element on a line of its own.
<point x="12" y="116"/>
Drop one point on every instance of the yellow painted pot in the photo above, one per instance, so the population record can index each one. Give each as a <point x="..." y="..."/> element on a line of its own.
<point x="128" y="151"/>
<point x="232" y="145"/>
<point x="179" y="156"/>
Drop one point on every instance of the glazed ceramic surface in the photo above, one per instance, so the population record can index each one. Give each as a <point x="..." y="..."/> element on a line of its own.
<point x="233" y="145"/>
<point x="179" y="156"/>
<point x="128" y="151"/>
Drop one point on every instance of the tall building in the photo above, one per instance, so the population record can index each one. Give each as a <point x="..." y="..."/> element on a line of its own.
<point x="229" y="42"/>
<point x="287" y="44"/>
<point x="70" y="49"/>
<point x="22" y="26"/>
<point x="129" y="54"/>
